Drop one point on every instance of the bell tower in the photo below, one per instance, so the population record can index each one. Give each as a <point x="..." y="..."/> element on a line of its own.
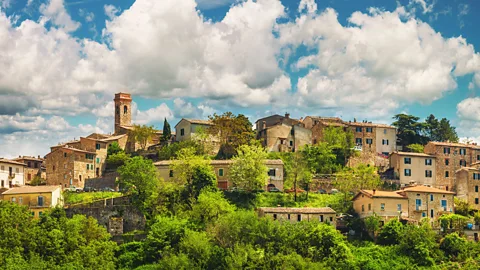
<point x="123" y="111"/>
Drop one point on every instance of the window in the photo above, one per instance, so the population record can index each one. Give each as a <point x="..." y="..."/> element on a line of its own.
<point x="299" y="217"/>
<point x="20" y="200"/>
<point x="476" y="200"/>
<point x="40" y="201"/>
<point x="369" y="141"/>
<point x="170" y="173"/>
<point x="88" y="166"/>
<point x="288" y="216"/>
<point x="3" y="168"/>
<point x="476" y="176"/>
<point x="407" y="160"/>
<point x="358" y="141"/>
<point x="384" y="142"/>
<point x="80" y="178"/>
<point x="117" y="110"/>
<point x="29" y="177"/>
<point x="331" y="219"/>
<point x="35" y="165"/>
<point x="125" y="109"/>
<point x="274" y="216"/>
<point x="291" y="143"/>
<point x="382" y="207"/>
<point x="220" y="172"/>
<point x="64" y="176"/>
<point x="424" y="215"/>
<point x="29" y="164"/>
<point x="399" y="207"/>
<point x="292" y="132"/>
<point x="98" y="160"/>
<point x="384" y="131"/>
<point x="431" y="213"/>
<point x="17" y="170"/>
<point x="369" y="207"/>
<point x="408" y="172"/>
<point x="446" y="150"/>
<point x="97" y="146"/>
<point x="444" y="205"/>
<point x="446" y="173"/>
<point x="363" y="208"/>
<point x="447" y="161"/>
<point x="428" y="162"/>
<point x="478" y="157"/>
<point x="321" y="218"/>
<point x="271" y="172"/>
<point x="358" y="129"/>
<point x="463" y="151"/>
<point x="64" y="154"/>
<point x="431" y="197"/>
<point x="476" y="188"/>
<point x="369" y="129"/>
<point x="463" y="163"/>
<point x="428" y="173"/>
<point x="53" y="167"/>
<point x="89" y="156"/>
<point x="14" y="199"/>
<point x="418" y="204"/>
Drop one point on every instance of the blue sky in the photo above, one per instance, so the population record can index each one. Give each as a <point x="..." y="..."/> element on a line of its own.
<point x="63" y="60"/>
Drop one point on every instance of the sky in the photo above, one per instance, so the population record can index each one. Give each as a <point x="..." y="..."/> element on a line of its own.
<point x="61" y="61"/>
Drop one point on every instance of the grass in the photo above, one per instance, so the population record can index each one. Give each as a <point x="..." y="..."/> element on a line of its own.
<point x="86" y="197"/>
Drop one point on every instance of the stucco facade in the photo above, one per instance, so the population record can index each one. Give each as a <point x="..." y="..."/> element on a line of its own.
<point x="468" y="185"/>
<point x="449" y="158"/>
<point x="284" y="137"/>
<point x="37" y="198"/>
<point x="416" y="168"/>
<point x="293" y="215"/>
<point x="385" y="204"/>
<point x="11" y="173"/>
<point x="222" y="168"/>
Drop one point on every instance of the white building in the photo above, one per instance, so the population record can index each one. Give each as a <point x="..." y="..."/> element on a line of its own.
<point x="11" y="173"/>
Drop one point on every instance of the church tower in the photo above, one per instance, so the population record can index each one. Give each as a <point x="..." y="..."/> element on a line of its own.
<point x="123" y="111"/>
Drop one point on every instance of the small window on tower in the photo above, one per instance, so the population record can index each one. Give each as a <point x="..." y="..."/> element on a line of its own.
<point x="117" y="110"/>
<point x="125" y="109"/>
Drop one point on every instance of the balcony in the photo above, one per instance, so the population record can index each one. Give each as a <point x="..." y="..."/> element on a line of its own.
<point x="37" y="205"/>
<point x="420" y="208"/>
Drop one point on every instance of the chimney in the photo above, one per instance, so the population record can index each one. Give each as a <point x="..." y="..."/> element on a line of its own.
<point x="287" y="115"/>
<point x="38" y="156"/>
<point x="354" y="120"/>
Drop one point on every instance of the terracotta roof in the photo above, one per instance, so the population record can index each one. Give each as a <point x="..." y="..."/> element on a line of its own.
<point x="333" y="124"/>
<point x="380" y="194"/>
<point x="4" y="160"/>
<point x="424" y="189"/>
<point x="28" y="158"/>
<point x="363" y="124"/>
<point x="413" y="154"/>
<point x="222" y="162"/>
<point x="456" y="144"/>
<point x="325" y="118"/>
<point x="113" y="138"/>
<point x="31" y="189"/>
<point x="199" y="121"/>
<point x="304" y="210"/>
<point x="467" y="169"/>
<point x="74" y="149"/>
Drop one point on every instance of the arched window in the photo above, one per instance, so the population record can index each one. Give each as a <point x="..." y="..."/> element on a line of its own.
<point x="125" y="109"/>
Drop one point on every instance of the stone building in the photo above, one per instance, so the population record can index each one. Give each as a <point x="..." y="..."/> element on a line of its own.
<point x="468" y="183"/>
<point x="221" y="169"/>
<point x="385" y="204"/>
<point x="427" y="202"/>
<point x="449" y="158"/>
<point x="282" y="134"/>
<point x="123" y="112"/>
<point x="189" y="129"/>
<point x="11" y="173"/>
<point x="37" y="198"/>
<point x="35" y="167"/>
<point x="68" y="166"/>
<point x="411" y="168"/>
<point x="318" y="125"/>
<point x="292" y="215"/>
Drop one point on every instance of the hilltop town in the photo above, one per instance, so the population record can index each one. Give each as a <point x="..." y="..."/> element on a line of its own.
<point x="291" y="161"/>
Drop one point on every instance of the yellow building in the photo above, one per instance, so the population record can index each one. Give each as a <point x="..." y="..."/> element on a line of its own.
<point x="418" y="168"/>
<point x="292" y="215"/>
<point x="385" y="204"/>
<point x="37" y="198"/>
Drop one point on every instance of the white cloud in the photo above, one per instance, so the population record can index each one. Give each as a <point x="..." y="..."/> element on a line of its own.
<point x="309" y="5"/>
<point x="184" y="109"/>
<point x="427" y="8"/>
<point x="89" y="16"/>
<point x="211" y="4"/>
<point x="469" y="109"/>
<point x="111" y="11"/>
<point x="5" y="3"/>
<point x="463" y="10"/>
<point x="150" y="116"/>
<point x="55" y="11"/>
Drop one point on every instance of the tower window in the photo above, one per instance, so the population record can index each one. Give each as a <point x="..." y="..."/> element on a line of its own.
<point x="125" y="109"/>
<point x="117" y="110"/>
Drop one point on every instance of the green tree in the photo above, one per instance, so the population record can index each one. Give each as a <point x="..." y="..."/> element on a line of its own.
<point x="415" y="148"/>
<point x="167" y="132"/>
<point x="142" y="134"/>
<point x="372" y="225"/>
<point x="454" y="246"/>
<point x="38" y="181"/>
<point x="463" y="208"/>
<point x="117" y="159"/>
<point x="248" y="170"/>
<point x="320" y="158"/>
<point x="446" y="132"/>
<point x="194" y="172"/>
<point x="171" y="151"/>
<point x="356" y="178"/>
<point x="164" y="237"/>
<point x="453" y="222"/>
<point x="210" y="206"/>
<point x="139" y="178"/>
<point x="341" y="142"/>
<point x="114" y="148"/>
<point x="419" y="243"/>
<point x="232" y="131"/>
<point x="409" y="130"/>
<point x="300" y="172"/>
<point x="390" y="233"/>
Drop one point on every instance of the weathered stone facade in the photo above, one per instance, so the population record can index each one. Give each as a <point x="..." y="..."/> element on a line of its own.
<point x="449" y="158"/>
<point x="123" y="111"/>
<point x="293" y="215"/>
<point x="222" y="168"/>
<point x="468" y="185"/>
<point x="34" y="168"/>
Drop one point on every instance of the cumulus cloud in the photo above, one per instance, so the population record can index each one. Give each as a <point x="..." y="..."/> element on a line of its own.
<point x="150" y="116"/>
<point x="54" y="10"/>
<point x="111" y="11"/>
<point x="184" y="109"/>
<point x="88" y="16"/>
<point x="426" y="8"/>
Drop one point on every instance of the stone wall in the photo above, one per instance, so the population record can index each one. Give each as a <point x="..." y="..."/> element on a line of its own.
<point x="467" y="187"/>
<point x="107" y="181"/>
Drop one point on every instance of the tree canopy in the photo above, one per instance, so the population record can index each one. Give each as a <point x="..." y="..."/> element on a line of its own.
<point x="248" y="170"/>
<point x="142" y="134"/>
<point x="167" y="132"/>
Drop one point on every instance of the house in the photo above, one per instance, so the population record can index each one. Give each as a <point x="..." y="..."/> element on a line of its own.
<point x="385" y="204"/>
<point x="221" y="169"/>
<point x="468" y="183"/>
<point x="190" y="129"/>
<point x="318" y="124"/>
<point x="449" y="158"/>
<point x="11" y="173"/>
<point x="413" y="167"/>
<point x="428" y="202"/>
<point x="35" y="167"/>
<point x="282" y="134"/>
<point x="68" y="166"/>
<point x="321" y="214"/>
<point x="37" y="198"/>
